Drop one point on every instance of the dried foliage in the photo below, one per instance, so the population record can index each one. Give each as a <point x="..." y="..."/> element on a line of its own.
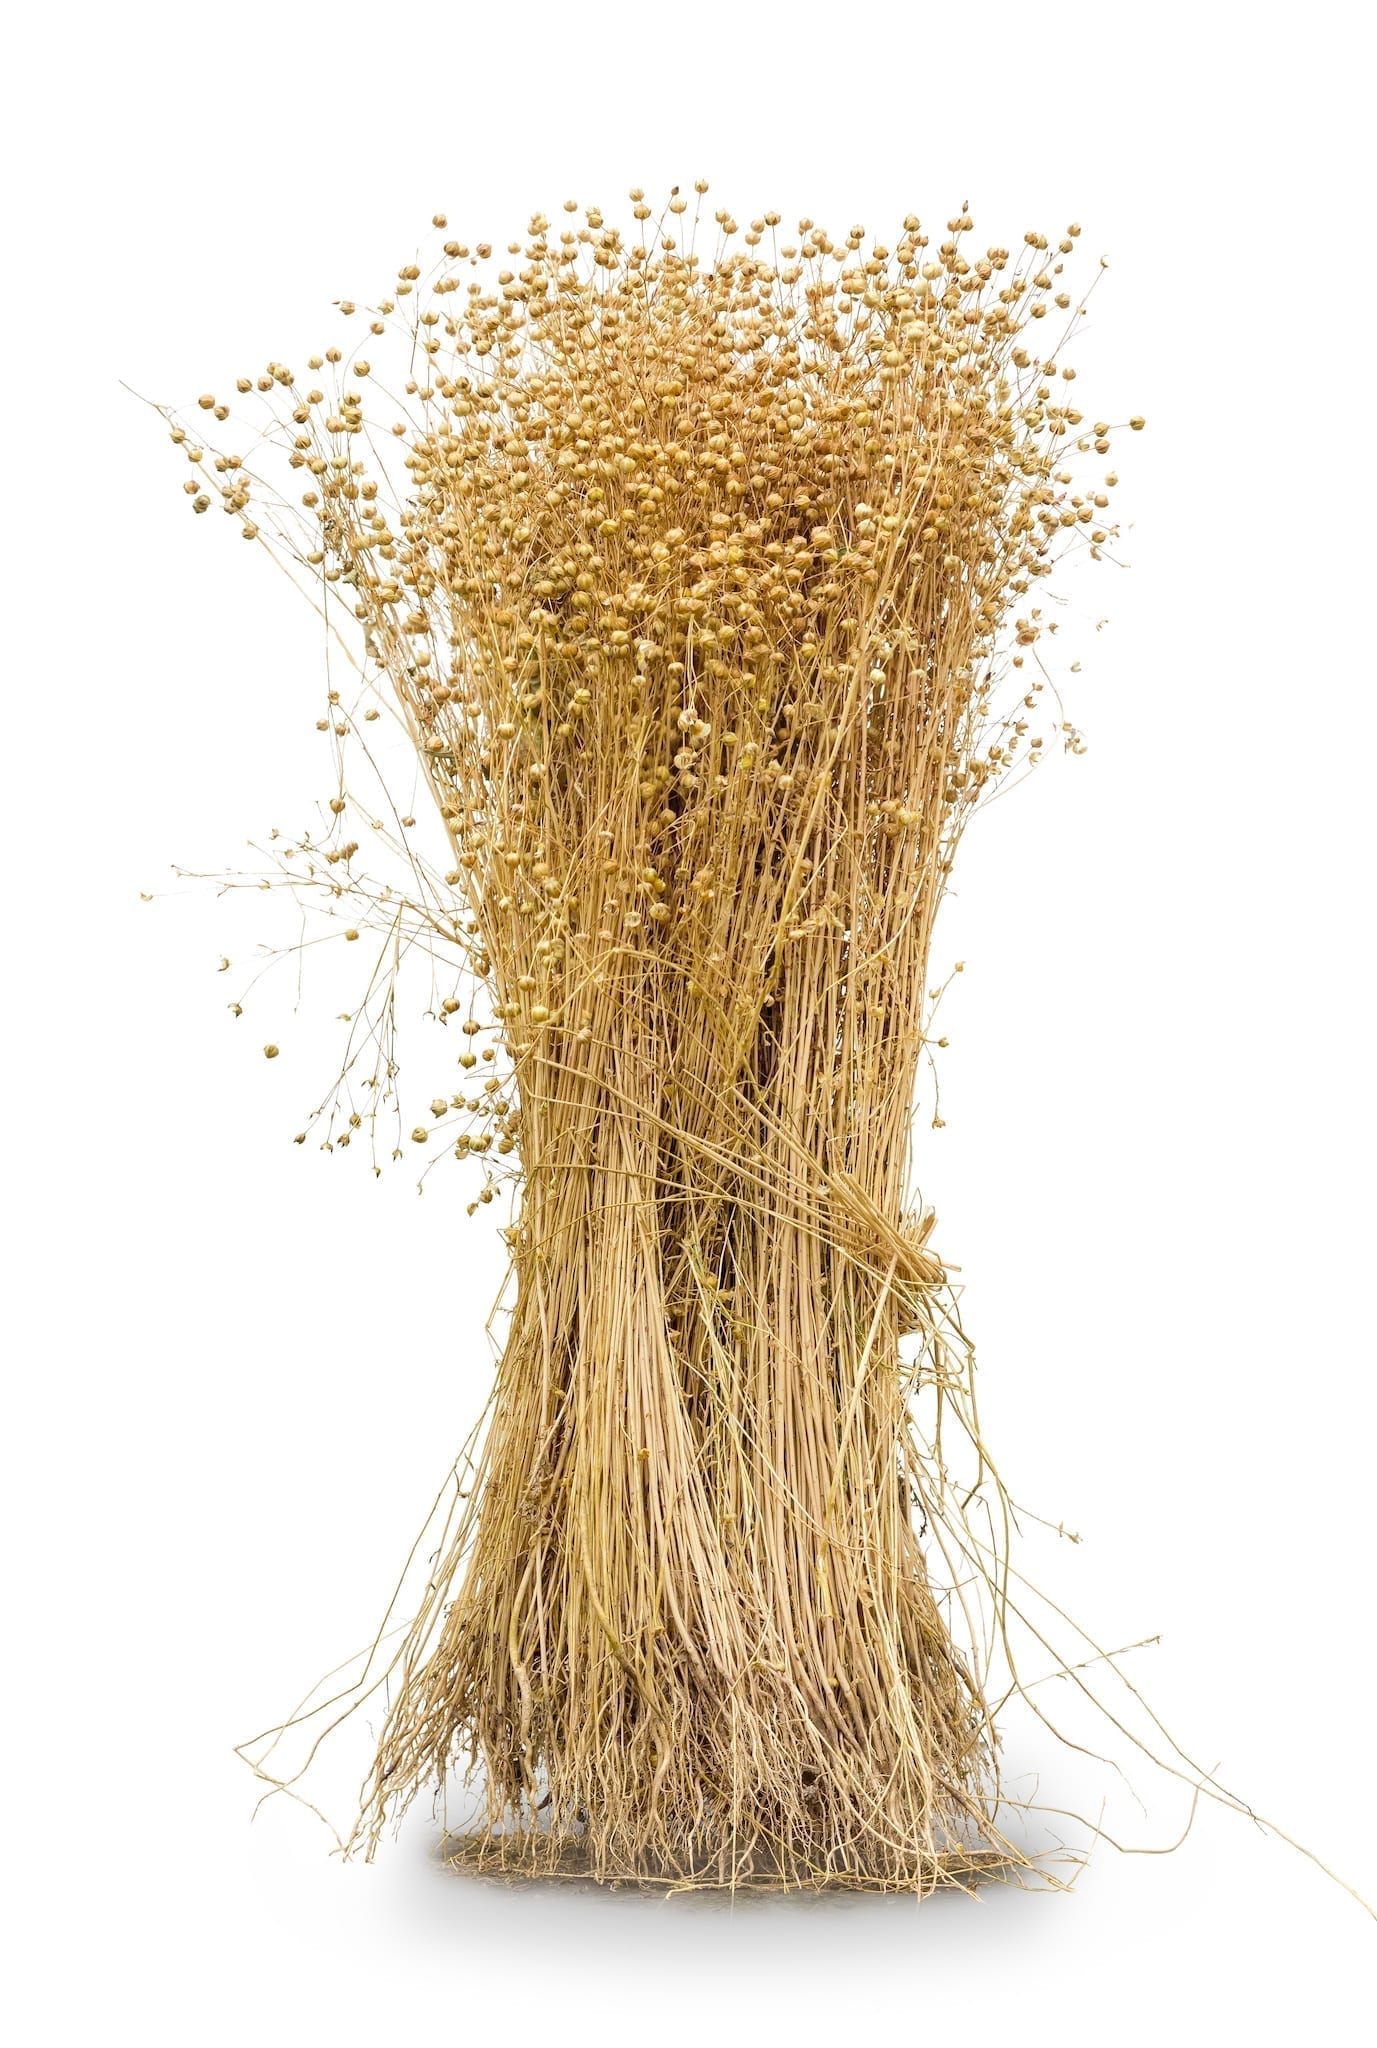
<point x="705" y="586"/>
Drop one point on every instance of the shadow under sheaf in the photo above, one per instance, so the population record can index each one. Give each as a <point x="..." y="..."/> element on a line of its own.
<point x="709" y="1940"/>
<point x="482" y="1904"/>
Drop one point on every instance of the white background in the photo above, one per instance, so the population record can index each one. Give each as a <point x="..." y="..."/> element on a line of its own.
<point x="240" y="1369"/>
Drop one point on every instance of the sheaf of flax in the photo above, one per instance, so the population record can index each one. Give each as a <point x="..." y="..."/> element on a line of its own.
<point x="702" y="571"/>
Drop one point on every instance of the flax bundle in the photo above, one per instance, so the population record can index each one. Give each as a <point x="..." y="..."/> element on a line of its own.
<point x="696" y="588"/>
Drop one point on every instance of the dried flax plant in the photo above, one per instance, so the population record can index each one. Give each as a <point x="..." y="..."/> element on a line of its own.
<point x="703" y="581"/>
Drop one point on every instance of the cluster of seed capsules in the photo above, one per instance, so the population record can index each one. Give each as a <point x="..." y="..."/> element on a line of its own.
<point x="642" y="533"/>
